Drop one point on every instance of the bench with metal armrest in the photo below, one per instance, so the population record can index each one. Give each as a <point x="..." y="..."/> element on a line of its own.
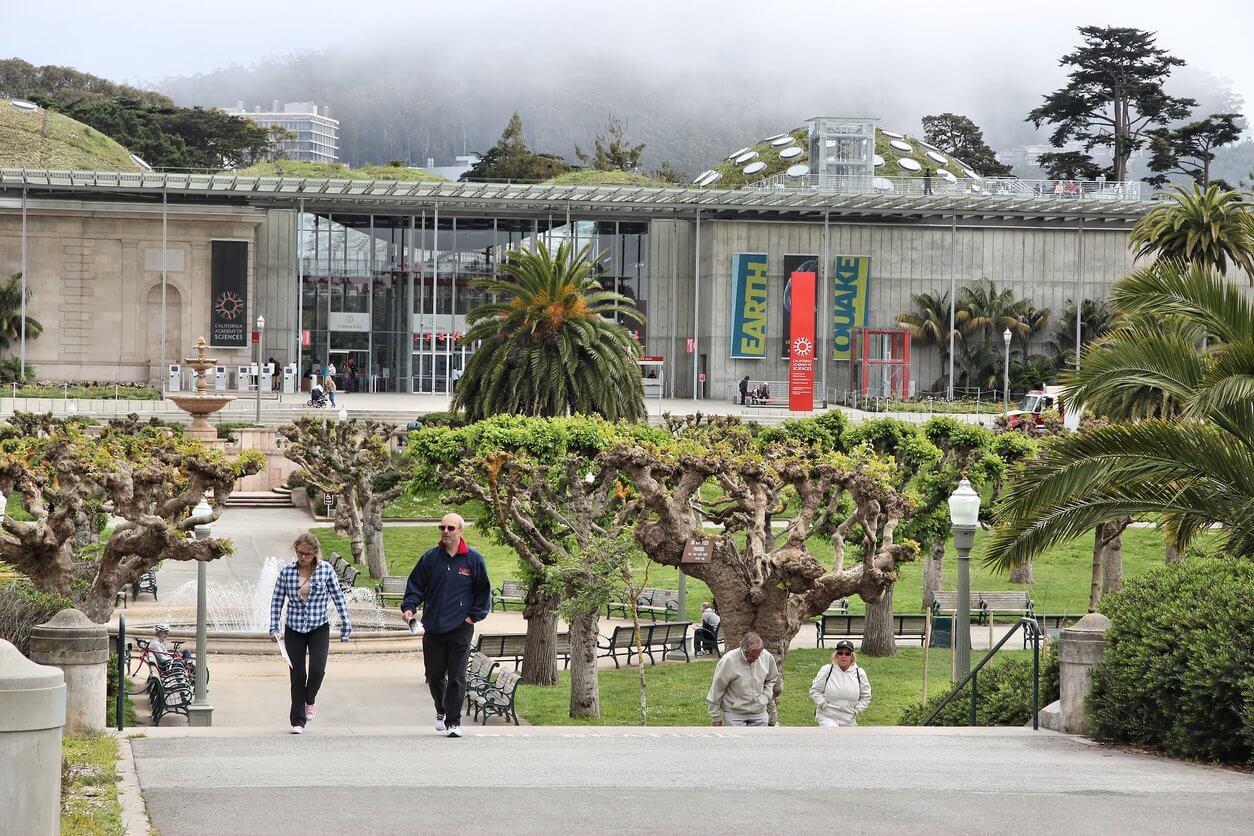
<point x="511" y="647"/>
<point x="650" y="602"/>
<point x="660" y="636"/>
<point x="846" y="626"/>
<point x="510" y="592"/>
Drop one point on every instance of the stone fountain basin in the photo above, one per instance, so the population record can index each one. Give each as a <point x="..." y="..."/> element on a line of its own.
<point x="231" y="643"/>
<point x="200" y="404"/>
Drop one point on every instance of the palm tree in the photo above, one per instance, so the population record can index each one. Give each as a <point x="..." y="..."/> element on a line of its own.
<point x="1196" y="469"/>
<point x="1211" y="228"/>
<point x="1096" y="319"/>
<point x="549" y="345"/>
<point x="928" y="324"/>
<point x="11" y="314"/>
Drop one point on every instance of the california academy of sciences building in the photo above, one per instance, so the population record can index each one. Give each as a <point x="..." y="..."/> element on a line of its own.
<point x="376" y="274"/>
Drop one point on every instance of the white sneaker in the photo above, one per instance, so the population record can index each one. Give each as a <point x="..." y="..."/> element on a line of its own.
<point x="298" y="729"/>
<point x="439" y="722"/>
<point x="454" y="731"/>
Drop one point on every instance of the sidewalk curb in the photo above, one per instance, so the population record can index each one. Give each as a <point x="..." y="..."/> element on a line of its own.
<point x="135" y="820"/>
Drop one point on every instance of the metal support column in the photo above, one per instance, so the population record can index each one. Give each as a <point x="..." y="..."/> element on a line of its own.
<point x="825" y="316"/>
<point x="165" y="279"/>
<point x="953" y="292"/>
<point x="21" y="374"/>
<point x="696" y="310"/>
<point x="1079" y="292"/>
<point x="435" y="283"/>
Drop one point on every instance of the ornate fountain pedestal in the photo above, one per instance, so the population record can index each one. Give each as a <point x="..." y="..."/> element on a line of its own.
<point x="201" y="404"/>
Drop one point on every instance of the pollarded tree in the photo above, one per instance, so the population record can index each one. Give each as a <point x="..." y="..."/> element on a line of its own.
<point x="353" y="460"/>
<point x="549" y="345"/>
<point x="762" y="581"/>
<point x="152" y="476"/>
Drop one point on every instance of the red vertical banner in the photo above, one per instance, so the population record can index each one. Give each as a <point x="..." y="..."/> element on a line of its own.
<point x="801" y="344"/>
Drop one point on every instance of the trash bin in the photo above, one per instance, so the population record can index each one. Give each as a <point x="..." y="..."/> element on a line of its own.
<point x="32" y="712"/>
<point x="942" y="631"/>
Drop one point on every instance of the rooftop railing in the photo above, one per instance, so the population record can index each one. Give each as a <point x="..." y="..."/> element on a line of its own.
<point x="942" y="186"/>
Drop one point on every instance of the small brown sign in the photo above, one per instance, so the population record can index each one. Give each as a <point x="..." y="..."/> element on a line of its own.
<point x="698" y="550"/>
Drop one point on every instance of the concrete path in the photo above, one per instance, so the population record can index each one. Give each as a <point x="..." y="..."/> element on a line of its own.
<point x="669" y="780"/>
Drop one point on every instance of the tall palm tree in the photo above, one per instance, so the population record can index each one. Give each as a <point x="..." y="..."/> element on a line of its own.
<point x="1211" y="228"/>
<point x="1195" y="470"/>
<point x="1096" y="319"/>
<point x="991" y="311"/>
<point x="928" y="324"/>
<point x="549" y="345"/>
<point x="11" y="314"/>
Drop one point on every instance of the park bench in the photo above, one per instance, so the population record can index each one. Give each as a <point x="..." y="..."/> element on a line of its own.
<point x="653" y="602"/>
<point x="511" y="592"/>
<point x="146" y="582"/>
<point x="392" y="589"/>
<point x="497" y="699"/>
<point x="512" y="646"/>
<point x="846" y="626"/>
<point x="169" y="688"/>
<point x="479" y="669"/>
<point x="703" y="644"/>
<point x="662" y="636"/>
<point x="984" y="605"/>
<point x="346" y="572"/>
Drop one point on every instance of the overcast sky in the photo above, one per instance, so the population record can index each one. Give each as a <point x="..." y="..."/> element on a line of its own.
<point x="980" y="41"/>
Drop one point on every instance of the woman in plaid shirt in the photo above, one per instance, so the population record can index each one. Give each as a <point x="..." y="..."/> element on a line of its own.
<point x="307" y="585"/>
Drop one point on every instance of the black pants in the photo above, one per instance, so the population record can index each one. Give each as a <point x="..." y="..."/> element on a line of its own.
<point x="703" y="641"/>
<point x="305" y="686"/>
<point x="445" y="656"/>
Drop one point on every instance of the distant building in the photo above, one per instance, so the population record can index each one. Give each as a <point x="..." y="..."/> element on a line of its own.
<point x="460" y="166"/>
<point x="317" y="134"/>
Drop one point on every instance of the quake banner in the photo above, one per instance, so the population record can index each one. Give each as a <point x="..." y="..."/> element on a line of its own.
<point x="228" y="282"/>
<point x="801" y="345"/>
<point x="749" y="285"/>
<point x="851" y="300"/>
<point x="793" y="264"/>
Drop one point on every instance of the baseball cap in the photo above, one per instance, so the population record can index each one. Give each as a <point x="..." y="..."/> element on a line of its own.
<point x="844" y="644"/>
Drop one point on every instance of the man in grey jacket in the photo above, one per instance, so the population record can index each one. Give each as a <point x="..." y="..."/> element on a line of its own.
<point x="744" y="681"/>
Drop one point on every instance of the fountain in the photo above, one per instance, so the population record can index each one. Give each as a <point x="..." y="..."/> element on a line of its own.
<point x="201" y="404"/>
<point x="238" y="618"/>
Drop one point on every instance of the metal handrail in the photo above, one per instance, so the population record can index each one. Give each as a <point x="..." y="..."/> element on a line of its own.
<point x="1033" y="630"/>
<point x="918" y="185"/>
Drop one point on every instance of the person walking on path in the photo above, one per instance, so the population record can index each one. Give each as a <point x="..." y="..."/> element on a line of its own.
<point x="841" y="691"/>
<point x="744" y="390"/>
<point x="744" y="682"/>
<point x="450" y="583"/>
<point x="307" y="586"/>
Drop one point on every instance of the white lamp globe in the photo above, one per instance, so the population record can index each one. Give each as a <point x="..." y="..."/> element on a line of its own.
<point x="964" y="505"/>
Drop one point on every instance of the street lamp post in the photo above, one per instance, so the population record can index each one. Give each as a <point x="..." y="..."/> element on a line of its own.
<point x="964" y="515"/>
<point x="200" y="712"/>
<point x="1005" y="392"/>
<point x="261" y="338"/>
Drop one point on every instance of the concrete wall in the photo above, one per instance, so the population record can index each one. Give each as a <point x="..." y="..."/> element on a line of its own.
<point x="1039" y="263"/>
<point x="94" y="271"/>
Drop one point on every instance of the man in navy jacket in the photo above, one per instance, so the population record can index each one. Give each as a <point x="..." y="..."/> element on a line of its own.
<point x="451" y="584"/>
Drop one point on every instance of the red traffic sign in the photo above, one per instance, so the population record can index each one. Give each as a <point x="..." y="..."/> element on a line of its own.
<point x="256" y="337"/>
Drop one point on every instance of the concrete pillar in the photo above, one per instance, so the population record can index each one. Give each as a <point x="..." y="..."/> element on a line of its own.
<point x="32" y="712"/>
<point x="80" y="648"/>
<point x="1080" y="648"/>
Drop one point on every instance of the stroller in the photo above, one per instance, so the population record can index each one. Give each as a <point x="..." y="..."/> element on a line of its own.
<point x="317" y="398"/>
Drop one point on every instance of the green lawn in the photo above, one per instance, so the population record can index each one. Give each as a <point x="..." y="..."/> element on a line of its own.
<point x="1062" y="575"/>
<point x="89" y="792"/>
<point x="676" y="691"/>
<point x="427" y="504"/>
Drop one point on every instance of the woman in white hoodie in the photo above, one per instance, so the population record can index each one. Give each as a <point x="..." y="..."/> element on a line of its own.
<point x="841" y="691"/>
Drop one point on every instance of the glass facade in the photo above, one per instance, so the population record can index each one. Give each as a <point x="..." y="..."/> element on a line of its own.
<point x="385" y="298"/>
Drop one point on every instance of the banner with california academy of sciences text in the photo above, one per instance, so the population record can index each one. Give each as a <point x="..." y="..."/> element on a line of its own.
<point x="228" y="283"/>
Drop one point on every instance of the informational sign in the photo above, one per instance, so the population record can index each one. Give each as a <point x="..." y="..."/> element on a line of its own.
<point x="801" y="344"/>
<point x="341" y="321"/>
<point x="792" y="265"/>
<point x="228" y="287"/>
<point x="749" y="294"/>
<point x="851" y="300"/>
<point x="698" y="550"/>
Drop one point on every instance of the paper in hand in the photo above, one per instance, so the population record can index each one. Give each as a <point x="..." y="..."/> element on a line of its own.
<point x="283" y="652"/>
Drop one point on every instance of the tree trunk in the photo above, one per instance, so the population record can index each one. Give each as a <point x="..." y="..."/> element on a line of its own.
<point x="356" y="533"/>
<point x="1112" y="560"/>
<point x="1173" y="554"/>
<point x="1021" y="573"/>
<point x="376" y="560"/>
<point x="932" y="566"/>
<point x="539" y="665"/>
<point x="585" y="690"/>
<point x="1095" y="586"/>
<point x="878" y="638"/>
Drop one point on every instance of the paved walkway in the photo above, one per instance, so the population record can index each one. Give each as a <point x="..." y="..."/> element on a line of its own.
<point x="669" y="780"/>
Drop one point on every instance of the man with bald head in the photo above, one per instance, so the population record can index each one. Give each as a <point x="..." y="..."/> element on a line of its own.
<point x="744" y="681"/>
<point x="450" y="583"/>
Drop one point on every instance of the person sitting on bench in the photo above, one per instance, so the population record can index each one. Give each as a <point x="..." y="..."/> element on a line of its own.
<point x="703" y="638"/>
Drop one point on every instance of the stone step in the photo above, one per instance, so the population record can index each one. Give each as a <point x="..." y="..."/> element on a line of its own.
<point x="259" y="499"/>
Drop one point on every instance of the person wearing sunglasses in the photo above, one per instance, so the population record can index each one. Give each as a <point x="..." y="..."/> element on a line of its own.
<point x="841" y="691"/>
<point x="307" y="586"/>
<point x="450" y="583"/>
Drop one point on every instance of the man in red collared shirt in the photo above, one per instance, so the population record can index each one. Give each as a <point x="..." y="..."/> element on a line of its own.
<point x="451" y="583"/>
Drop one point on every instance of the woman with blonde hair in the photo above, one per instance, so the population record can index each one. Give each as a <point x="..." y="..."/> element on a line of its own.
<point x="307" y="586"/>
<point x="841" y="691"/>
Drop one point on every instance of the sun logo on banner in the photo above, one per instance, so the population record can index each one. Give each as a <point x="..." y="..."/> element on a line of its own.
<point x="802" y="347"/>
<point x="229" y="305"/>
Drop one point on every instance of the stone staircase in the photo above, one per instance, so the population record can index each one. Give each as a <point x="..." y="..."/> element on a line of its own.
<point x="279" y="496"/>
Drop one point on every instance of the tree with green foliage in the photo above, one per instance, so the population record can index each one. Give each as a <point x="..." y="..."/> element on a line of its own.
<point x="1069" y="165"/>
<point x="611" y="150"/>
<point x="1114" y="95"/>
<point x="510" y="159"/>
<point x="669" y="174"/>
<point x="548" y="343"/>
<point x="11" y="314"/>
<point x="960" y="137"/>
<point x="1189" y="149"/>
<point x="928" y="324"/>
<point x="1194" y="468"/>
<point x="1210" y="227"/>
<point x="1096" y="318"/>
<point x="151" y="476"/>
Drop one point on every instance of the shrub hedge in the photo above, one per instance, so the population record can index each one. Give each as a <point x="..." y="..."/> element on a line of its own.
<point x="1004" y="697"/>
<point x="22" y="607"/>
<point x="1178" y="673"/>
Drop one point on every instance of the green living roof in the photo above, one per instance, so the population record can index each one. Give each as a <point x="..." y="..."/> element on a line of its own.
<point x="608" y="178"/>
<point x="32" y="137"/>
<point x="295" y="168"/>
